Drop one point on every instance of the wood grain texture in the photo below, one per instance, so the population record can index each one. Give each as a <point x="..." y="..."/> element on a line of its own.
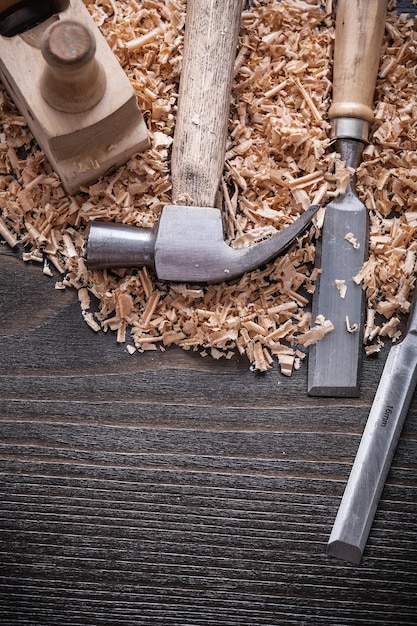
<point x="210" y="49"/>
<point x="359" y="30"/>
<point x="168" y="489"/>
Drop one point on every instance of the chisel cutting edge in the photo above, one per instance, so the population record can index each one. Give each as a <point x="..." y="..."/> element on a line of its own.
<point x="377" y="447"/>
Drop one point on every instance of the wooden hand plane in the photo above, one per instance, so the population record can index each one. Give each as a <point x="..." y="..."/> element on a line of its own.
<point x="78" y="103"/>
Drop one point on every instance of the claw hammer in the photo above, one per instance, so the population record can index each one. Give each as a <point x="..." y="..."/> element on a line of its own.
<point x="187" y="245"/>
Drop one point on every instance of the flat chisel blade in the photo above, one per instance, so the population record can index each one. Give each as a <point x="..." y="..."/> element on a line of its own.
<point x="334" y="361"/>
<point x="376" y="450"/>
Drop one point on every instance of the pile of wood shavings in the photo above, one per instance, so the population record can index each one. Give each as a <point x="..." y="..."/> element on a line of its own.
<point x="279" y="162"/>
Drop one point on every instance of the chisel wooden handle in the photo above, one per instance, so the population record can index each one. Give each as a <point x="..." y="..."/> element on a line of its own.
<point x="210" y="46"/>
<point x="359" y="31"/>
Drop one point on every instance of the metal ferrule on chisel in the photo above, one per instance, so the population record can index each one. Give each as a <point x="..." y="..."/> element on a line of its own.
<point x="349" y="128"/>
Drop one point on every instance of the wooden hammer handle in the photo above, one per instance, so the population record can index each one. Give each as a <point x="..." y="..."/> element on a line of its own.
<point x="210" y="46"/>
<point x="359" y="31"/>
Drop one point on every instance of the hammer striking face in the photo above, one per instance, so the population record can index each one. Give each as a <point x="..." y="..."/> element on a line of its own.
<point x="188" y="243"/>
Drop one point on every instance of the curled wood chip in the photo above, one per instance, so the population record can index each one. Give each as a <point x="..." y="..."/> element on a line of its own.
<point x="351" y="328"/>
<point x="314" y="334"/>
<point x="373" y="348"/>
<point x="342" y="287"/>
<point x="286" y="360"/>
<point x="7" y="235"/>
<point x="352" y="239"/>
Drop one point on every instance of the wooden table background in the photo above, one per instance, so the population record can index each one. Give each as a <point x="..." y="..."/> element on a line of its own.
<point x="165" y="488"/>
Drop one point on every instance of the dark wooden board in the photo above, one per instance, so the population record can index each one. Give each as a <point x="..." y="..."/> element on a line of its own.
<point x="164" y="488"/>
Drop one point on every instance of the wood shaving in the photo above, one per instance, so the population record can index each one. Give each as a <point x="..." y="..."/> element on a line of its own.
<point x="351" y="328"/>
<point x="342" y="287"/>
<point x="279" y="162"/>
<point x="316" y="333"/>
<point x="352" y="239"/>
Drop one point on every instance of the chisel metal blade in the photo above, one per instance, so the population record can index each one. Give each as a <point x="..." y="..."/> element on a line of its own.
<point x="334" y="362"/>
<point x="376" y="450"/>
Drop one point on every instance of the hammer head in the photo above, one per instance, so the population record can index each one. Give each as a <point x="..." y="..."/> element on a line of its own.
<point x="187" y="246"/>
<point x="190" y="246"/>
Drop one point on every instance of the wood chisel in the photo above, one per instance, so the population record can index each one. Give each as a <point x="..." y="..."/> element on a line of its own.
<point x="376" y="450"/>
<point x="334" y="361"/>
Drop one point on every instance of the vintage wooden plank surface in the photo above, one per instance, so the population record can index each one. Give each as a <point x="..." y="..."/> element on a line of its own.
<point x="165" y="488"/>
